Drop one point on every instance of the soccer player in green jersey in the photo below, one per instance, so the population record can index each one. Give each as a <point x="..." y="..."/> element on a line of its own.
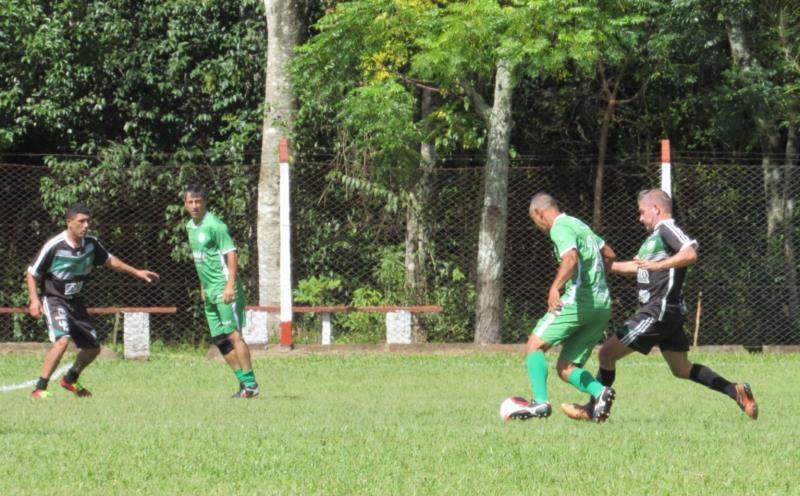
<point x="59" y="271"/>
<point x="576" y="317"/>
<point x="660" y="268"/>
<point x="214" y="255"/>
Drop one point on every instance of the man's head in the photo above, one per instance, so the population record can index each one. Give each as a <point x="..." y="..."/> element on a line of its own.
<point x="195" y="200"/>
<point x="655" y="205"/>
<point x="78" y="218"/>
<point x="543" y="210"/>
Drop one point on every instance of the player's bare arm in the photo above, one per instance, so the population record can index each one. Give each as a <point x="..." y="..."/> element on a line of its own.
<point x="120" y="266"/>
<point x="35" y="306"/>
<point x="625" y="268"/>
<point x="229" y="293"/>
<point x="609" y="257"/>
<point x="569" y="261"/>
<point x="686" y="256"/>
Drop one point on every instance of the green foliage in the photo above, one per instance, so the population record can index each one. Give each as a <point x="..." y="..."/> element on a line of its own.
<point x="317" y="290"/>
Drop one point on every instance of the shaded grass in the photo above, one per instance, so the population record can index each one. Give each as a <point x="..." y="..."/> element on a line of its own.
<point x="394" y="425"/>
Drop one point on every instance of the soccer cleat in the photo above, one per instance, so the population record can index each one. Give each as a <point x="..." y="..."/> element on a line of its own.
<point x="532" y="410"/>
<point x="745" y="400"/>
<point x="246" y="392"/>
<point x="578" y="412"/>
<point x="602" y="404"/>
<point x="41" y="393"/>
<point x="75" y="388"/>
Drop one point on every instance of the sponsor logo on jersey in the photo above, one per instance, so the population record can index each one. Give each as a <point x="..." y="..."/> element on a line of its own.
<point x="644" y="296"/>
<point x="199" y="256"/>
<point x="72" y="288"/>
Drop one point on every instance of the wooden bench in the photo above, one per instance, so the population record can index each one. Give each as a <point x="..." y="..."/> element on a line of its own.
<point x="135" y="326"/>
<point x="398" y="320"/>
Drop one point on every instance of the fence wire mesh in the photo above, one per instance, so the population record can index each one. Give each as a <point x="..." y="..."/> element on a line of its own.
<point x="350" y="241"/>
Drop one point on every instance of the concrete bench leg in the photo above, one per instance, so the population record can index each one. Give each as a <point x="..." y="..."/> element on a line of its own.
<point x="398" y="327"/>
<point x="255" y="327"/>
<point x="136" y="335"/>
<point x="326" y="328"/>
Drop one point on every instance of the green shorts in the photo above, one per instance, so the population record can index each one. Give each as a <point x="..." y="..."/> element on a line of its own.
<point x="577" y="328"/>
<point x="224" y="318"/>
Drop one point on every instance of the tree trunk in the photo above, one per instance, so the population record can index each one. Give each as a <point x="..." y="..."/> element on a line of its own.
<point x="602" y="148"/>
<point x="790" y="260"/>
<point x="776" y="179"/>
<point x="283" y="34"/>
<point x="416" y="229"/>
<point x="492" y="235"/>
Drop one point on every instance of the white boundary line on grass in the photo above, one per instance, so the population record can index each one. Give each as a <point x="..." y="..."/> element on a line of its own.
<point x="58" y="373"/>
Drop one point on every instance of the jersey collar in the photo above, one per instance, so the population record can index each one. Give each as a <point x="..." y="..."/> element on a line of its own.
<point x="201" y="220"/>
<point x="662" y="221"/>
<point x="66" y="239"/>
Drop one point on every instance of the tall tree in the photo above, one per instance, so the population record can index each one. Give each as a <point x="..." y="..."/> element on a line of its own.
<point x="482" y="45"/>
<point x="765" y="71"/>
<point x="284" y="30"/>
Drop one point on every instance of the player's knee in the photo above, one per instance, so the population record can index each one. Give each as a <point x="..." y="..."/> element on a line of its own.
<point x="223" y="343"/>
<point x="61" y="343"/>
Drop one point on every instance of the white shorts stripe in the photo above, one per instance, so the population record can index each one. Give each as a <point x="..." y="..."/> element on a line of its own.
<point x="545" y="324"/>
<point x="636" y="331"/>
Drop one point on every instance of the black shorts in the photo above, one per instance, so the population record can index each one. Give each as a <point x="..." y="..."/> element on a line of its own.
<point x="68" y="317"/>
<point x="641" y="332"/>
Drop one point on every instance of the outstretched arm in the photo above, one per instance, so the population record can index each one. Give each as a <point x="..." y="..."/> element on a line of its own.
<point x="626" y="268"/>
<point x="686" y="256"/>
<point x="120" y="266"/>
<point x="608" y="257"/>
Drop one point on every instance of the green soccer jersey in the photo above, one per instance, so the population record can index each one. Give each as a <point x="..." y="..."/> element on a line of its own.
<point x="210" y="242"/>
<point x="588" y="283"/>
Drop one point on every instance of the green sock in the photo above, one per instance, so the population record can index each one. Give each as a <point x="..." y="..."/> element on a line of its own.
<point x="537" y="373"/>
<point x="585" y="382"/>
<point x="249" y="379"/>
<point x="239" y="375"/>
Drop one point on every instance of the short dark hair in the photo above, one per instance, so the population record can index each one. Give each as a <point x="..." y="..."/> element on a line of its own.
<point x="75" y="209"/>
<point x="195" y="190"/>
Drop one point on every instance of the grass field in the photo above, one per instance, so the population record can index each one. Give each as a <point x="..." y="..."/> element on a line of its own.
<point x="378" y="424"/>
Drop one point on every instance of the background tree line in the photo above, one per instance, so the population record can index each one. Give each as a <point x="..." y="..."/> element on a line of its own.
<point x="124" y="99"/>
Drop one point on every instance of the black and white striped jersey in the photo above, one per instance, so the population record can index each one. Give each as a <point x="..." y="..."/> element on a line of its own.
<point x="661" y="292"/>
<point x="61" y="268"/>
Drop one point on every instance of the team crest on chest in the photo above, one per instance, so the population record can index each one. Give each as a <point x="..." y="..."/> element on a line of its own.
<point x="201" y="237"/>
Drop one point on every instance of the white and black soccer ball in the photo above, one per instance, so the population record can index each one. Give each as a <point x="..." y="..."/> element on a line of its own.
<point x="510" y="405"/>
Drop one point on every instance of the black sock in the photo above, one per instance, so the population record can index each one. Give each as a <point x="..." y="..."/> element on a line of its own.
<point x="606" y="377"/>
<point x="708" y="378"/>
<point x="71" y="377"/>
<point x="42" y="383"/>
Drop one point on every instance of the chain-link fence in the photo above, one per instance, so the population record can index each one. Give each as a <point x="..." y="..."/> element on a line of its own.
<point x="350" y="240"/>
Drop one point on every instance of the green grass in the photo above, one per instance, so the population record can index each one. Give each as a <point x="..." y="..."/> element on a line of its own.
<point x="394" y="425"/>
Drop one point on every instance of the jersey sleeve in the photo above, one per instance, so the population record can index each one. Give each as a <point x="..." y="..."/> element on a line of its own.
<point x="564" y="239"/>
<point x="101" y="255"/>
<point x="674" y="238"/>
<point x="224" y="241"/>
<point x="41" y="263"/>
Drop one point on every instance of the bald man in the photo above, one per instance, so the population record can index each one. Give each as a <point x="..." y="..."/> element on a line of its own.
<point x="660" y="268"/>
<point x="578" y="309"/>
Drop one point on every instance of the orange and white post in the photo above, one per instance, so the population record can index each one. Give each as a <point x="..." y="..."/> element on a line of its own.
<point x="666" y="167"/>
<point x="285" y="242"/>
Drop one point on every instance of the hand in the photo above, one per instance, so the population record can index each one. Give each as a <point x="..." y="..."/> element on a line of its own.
<point x="35" y="309"/>
<point x="651" y="265"/>
<point x="147" y="275"/>
<point x="554" y="302"/>
<point x="228" y="294"/>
